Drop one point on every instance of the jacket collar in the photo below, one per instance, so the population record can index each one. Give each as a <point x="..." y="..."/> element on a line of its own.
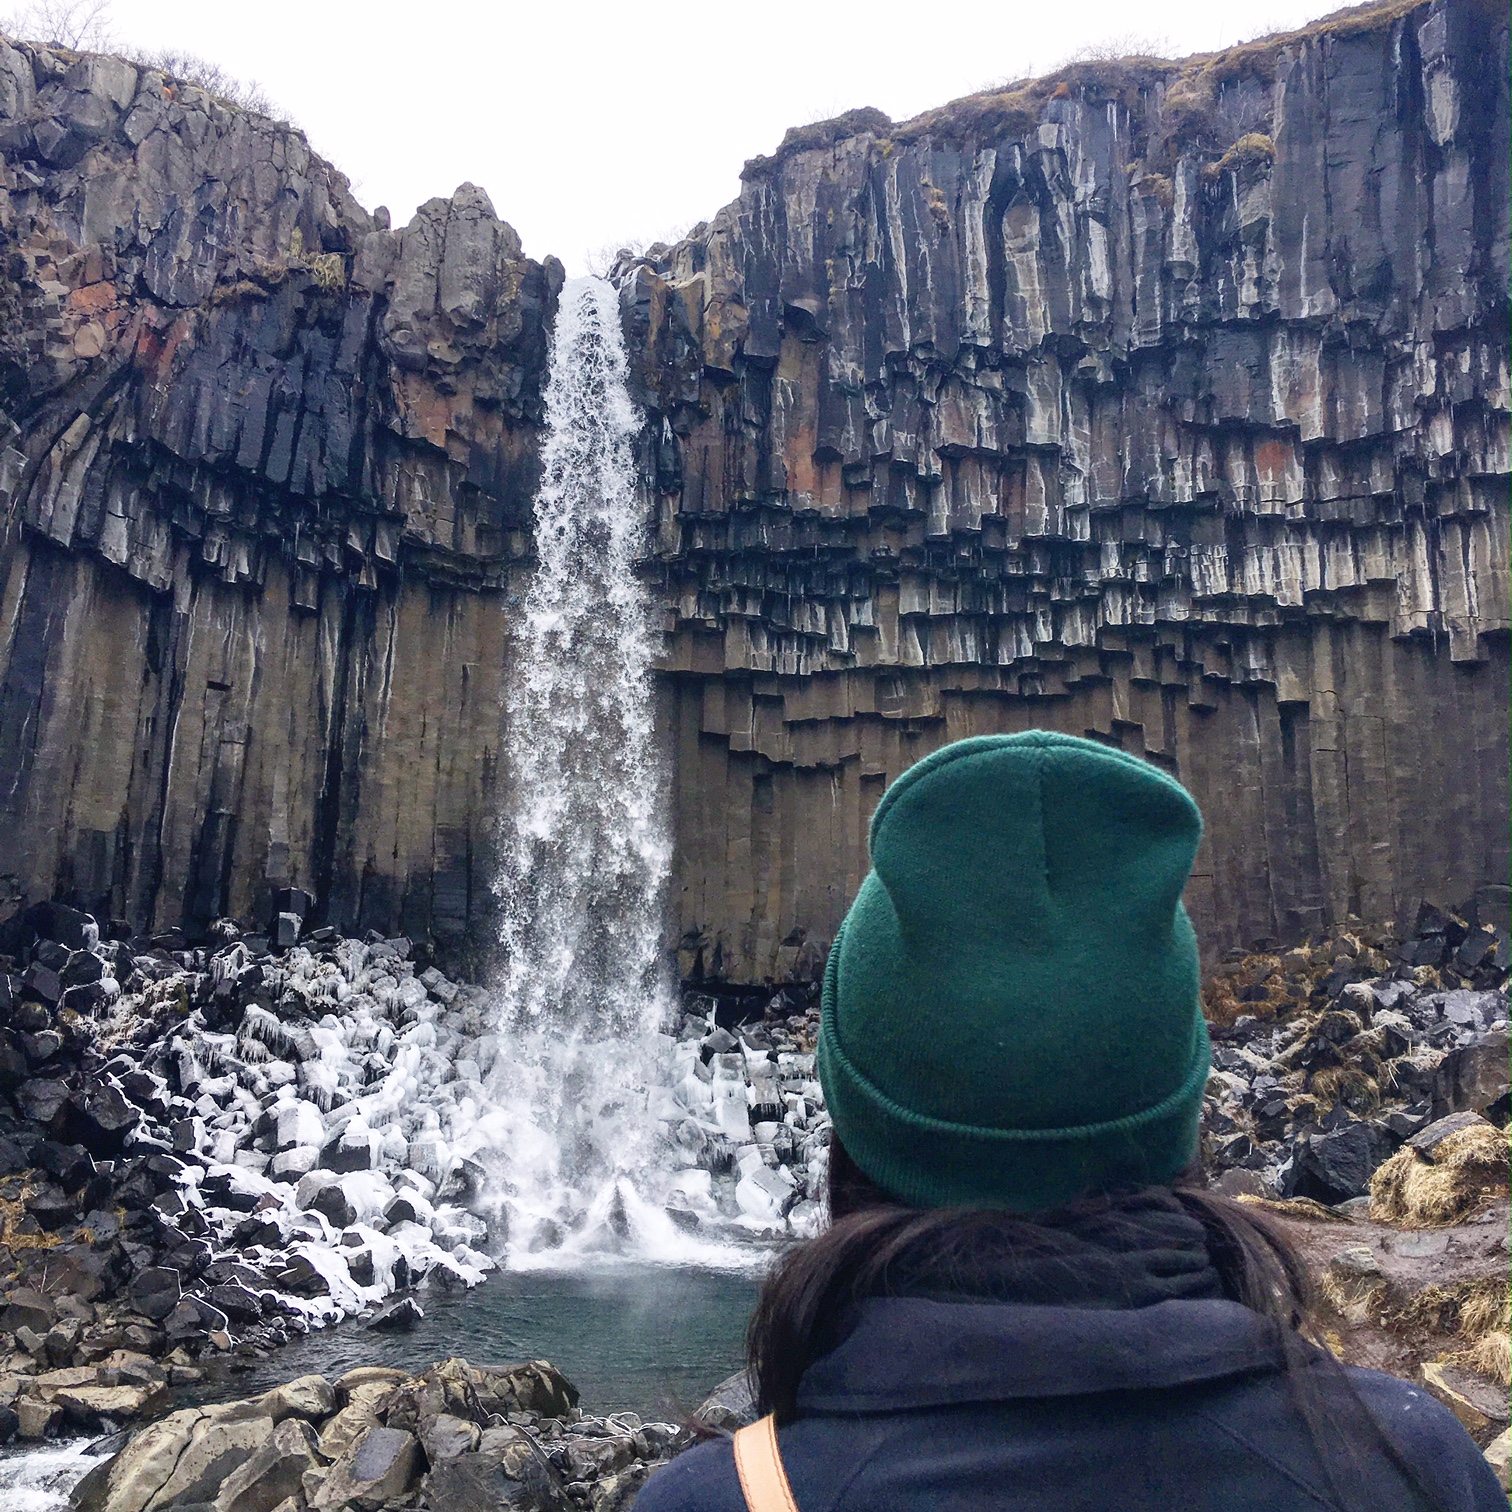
<point x="907" y="1352"/>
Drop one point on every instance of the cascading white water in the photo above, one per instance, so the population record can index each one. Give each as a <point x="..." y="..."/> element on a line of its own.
<point x="585" y="844"/>
<point x="573" y="1092"/>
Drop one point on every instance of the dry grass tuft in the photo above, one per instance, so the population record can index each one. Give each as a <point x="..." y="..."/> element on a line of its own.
<point x="1348" y="1085"/>
<point x="1293" y="1207"/>
<point x="1434" y="1308"/>
<point x="1469" y="1169"/>
<point x="1485" y="1308"/>
<point x="1490" y="1356"/>
<point x="1357" y="1297"/>
<point x="14" y="1236"/>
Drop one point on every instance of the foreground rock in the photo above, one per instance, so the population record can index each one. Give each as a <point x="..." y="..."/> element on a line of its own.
<point x="455" y="1438"/>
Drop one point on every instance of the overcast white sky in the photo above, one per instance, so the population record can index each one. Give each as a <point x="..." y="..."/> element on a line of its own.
<point x="592" y="124"/>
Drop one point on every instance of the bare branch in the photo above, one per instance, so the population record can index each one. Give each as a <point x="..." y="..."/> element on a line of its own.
<point x="79" y="25"/>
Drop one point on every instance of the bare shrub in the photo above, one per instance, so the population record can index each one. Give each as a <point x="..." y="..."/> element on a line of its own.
<point x="1116" y="49"/>
<point x="79" y="25"/>
<point x="219" y="83"/>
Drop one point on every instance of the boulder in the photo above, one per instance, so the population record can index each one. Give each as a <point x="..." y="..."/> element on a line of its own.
<point x="71" y="1164"/>
<point x="238" y="1303"/>
<point x="364" y="1397"/>
<point x="36" y="1418"/>
<point x="354" y="1149"/>
<point x="1472" y="1077"/>
<point x="51" y="1206"/>
<point x="537" y="1386"/>
<point x="333" y="1204"/>
<point x="155" y="1292"/>
<point x="729" y="1406"/>
<point x="1427" y="1140"/>
<point x="100" y="1116"/>
<point x="397" y="1313"/>
<point x="306" y="1396"/>
<point x="180" y="1460"/>
<point x="446" y="1437"/>
<point x="83" y="967"/>
<point x="294" y="900"/>
<point x="616" y="1492"/>
<point x="379" y="1467"/>
<point x="26" y="1307"/>
<point x="299" y="1276"/>
<point x="506" y="1473"/>
<point x="1480" y="1406"/>
<point x="42" y="1101"/>
<point x="299" y="1123"/>
<point x="42" y="983"/>
<point x="84" y="1406"/>
<point x="589" y="1459"/>
<point x="1336" y="1166"/>
<point x="408" y="1206"/>
<point x="1498" y="1453"/>
<point x="274" y="1471"/>
<point x="13" y="1067"/>
<point x="192" y="1318"/>
<point x="291" y="1165"/>
<point x="69" y="927"/>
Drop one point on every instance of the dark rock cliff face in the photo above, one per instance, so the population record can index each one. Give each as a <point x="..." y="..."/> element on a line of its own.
<point x="1162" y="403"/>
<point x="266" y="466"/>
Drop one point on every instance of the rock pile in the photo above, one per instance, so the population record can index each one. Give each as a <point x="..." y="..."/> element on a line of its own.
<point x="455" y="1438"/>
<point x="1328" y="1058"/>
<point x="755" y="1135"/>
<point x="220" y="1144"/>
<point x="214" y="1147"/>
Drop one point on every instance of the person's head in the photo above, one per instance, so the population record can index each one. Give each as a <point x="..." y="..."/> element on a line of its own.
<point x="1013" y="1055"/>
<point x="1011" y="1040"/>
<point x="1011" y="1014"/>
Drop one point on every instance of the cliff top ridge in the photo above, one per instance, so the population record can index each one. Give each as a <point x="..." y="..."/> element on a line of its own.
<point x="1188" y="88"/>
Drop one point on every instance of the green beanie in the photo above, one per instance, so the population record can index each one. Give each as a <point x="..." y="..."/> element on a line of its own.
<point x="1011" y="1012"/>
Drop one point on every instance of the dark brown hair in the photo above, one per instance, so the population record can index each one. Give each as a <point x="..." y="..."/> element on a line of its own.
<point x="878" y="1246"/>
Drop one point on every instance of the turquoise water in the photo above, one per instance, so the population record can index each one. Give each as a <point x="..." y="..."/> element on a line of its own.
<point x="650" y="1338"/>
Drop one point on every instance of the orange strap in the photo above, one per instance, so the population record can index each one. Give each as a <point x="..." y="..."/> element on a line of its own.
<point x="758" y="1463"/>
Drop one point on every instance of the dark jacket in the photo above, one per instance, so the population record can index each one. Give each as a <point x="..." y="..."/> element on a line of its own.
<point x="985" y="1406"/>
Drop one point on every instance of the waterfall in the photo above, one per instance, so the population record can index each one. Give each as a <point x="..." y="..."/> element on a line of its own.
<point x="585" y="844"/>
<point x="581" y="1064"/>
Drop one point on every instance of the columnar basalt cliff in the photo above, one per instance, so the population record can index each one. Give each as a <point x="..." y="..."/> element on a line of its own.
<point x="1165" y="403"/>
<point x="266" y="466"/>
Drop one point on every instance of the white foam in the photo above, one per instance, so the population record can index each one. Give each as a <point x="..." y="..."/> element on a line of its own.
<point x="40" y="1480"/>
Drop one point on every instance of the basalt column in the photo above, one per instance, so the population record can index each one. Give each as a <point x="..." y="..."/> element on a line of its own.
<point x="265" y="478"/>
<point x="1163" y="403"/>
